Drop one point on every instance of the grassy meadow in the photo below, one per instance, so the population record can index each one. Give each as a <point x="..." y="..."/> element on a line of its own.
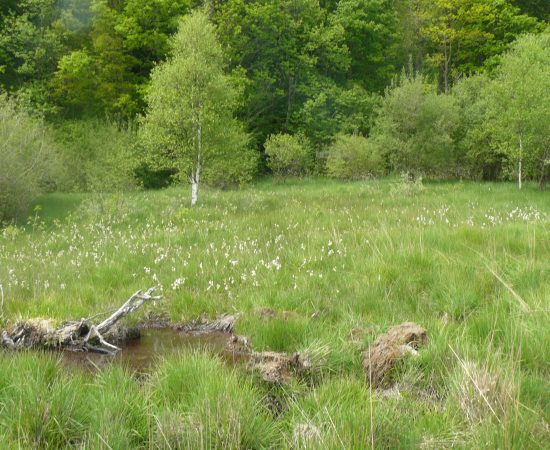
<point x="469" y="262"/>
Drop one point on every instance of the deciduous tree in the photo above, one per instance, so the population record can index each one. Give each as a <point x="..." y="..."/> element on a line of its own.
<point x="288" y="50"/>
<point x="465" y="34"/>
<point x="189" y="124"/>
<point x="415" y="128"/>
<point x="518" y="113"/>
<point x="371" y="35"/>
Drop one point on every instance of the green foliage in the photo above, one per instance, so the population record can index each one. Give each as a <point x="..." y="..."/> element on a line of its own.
<point x="463" y="35"/>
<point x="146" y="28"/>
<point x="34" y="36"/>
<point x="477" y="157"/>
<point x="301" y="65"/>
<point x="354" y="158"/>
<point x="288" y="50"/>
<point x="189" y="124"/>
<point x="518" y="112"/>
<point x="86" y="56"/>
<point x="289" y="155"/>
<point x="371" y="35"/>
<point x="415" y="128"/>
<point x="333" y="110"/>
<point x="75" y="83"/>
<point x="28" y="159"/>
<point x="504" y="119"/>
<point x="236" y="164"/>
<point x="311" y="67"/>
<point x="116" y="81"/>
<point x="128" y="38"/>
<point x="31" y="42"/>
<point x="535" y="8"/>
<point x="98" y="156"/>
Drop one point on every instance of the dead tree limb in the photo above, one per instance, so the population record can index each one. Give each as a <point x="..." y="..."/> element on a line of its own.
<point x="75" y="335"/>
<point x="133" y="303"/>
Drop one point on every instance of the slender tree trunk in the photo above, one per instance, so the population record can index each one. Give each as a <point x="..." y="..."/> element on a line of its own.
<point x="520" y="164"/>
<point x="445" y="69"/>
<point x="194" y="191"/>
<point x="289" y="101"/>
<point x="195" y="178"/>
<point x="447" y="55"/>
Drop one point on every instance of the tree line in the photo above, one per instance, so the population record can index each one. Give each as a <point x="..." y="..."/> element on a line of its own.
<point x="219" y="90"/>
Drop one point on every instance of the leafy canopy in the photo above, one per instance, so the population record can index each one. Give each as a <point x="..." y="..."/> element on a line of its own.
<point x="189" y="124"/>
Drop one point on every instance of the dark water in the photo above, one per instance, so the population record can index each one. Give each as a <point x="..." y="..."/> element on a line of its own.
<point x="141" y="354"/>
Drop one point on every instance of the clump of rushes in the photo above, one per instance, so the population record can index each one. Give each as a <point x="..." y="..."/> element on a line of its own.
<point x="199" y="402"/>
<point x="41" y="406"/>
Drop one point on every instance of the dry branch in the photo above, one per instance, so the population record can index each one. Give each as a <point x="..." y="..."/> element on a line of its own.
<point x="75" y="335"/>
<point x="133" y="303"/>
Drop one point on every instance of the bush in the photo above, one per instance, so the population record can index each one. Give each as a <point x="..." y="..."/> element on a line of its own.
<point x="416" y="126"/>
<point x="28" y="159"/>
<point x="236" y="163"/>
<point x="478" y="158"/>
<point x="289" y="155"/>
<point x="99" y="156"/>
<point x="354" y="158"/>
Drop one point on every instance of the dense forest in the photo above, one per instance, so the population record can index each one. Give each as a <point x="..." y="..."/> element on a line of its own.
<point x="113" y="94"/>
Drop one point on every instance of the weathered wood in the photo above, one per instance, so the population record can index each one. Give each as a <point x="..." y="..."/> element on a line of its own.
<point x="133" y="303"/>
<point x="7" y="341"/>
<point x="76" y="335"/>
<point x="93" y="334"/>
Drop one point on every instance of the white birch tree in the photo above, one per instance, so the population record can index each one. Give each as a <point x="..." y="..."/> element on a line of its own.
<point x="519" y="112"/>
<point x="189" y="126"/>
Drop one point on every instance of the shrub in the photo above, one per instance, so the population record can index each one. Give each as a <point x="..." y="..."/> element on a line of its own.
<point x="354" y="158"/>
<point x="416" y="126"/>
<point x="28" y="159"/>
<point x="478" y="158"/>
<point x="236" y="164"/>
<point x="289" y="155"/>
<point x="99" y="156"/>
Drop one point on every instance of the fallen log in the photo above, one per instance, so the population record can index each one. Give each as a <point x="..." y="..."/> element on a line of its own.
<point x="80" y="335"/>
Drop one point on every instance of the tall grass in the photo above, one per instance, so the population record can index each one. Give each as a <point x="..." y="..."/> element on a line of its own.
<point x="469" y="262"/>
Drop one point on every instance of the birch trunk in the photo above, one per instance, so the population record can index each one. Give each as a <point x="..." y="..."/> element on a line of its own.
<point x="445" y="68"/>
<point x="194" y="192"/>
<point x="195" y="178"/>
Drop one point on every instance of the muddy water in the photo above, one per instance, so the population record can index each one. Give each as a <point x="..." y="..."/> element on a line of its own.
<point x="141" y="354"/>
